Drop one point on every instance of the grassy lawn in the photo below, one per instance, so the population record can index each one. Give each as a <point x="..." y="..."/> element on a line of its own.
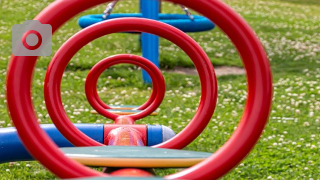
<point x="290" y="33"/>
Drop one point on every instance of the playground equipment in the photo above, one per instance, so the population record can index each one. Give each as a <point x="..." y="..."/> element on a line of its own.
<point x="43" y="149"/>
<point x="150" y="9"/>
<point x="13" y="150"/>
<point x="95" y="72"/>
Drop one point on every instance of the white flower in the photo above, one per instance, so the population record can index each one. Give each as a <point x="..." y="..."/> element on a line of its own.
<point x="311" y="114"/>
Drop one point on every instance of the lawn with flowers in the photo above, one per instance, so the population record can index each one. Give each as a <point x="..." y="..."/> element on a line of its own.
<point x="290" y="32"/>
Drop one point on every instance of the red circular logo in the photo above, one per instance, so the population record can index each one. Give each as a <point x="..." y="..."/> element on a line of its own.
<point x="24" y="40"/>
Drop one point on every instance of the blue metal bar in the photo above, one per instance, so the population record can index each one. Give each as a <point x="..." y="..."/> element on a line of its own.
<point x="180" y="21"/>
<point x="154" y="134"/>
<point x="150" y="43"/>
<point x="11" y="148"/>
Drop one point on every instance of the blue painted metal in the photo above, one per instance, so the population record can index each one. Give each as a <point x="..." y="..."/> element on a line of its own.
<point x="154" y="135"/>
<point x="11" y="148"/>
<point x="179" y="21"/>
<point x="150" y="42"/>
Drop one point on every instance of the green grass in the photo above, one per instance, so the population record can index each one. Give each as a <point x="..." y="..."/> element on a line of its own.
<point x="290" y="33"/>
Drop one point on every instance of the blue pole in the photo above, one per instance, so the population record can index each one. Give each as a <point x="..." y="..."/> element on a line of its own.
<point x="12" y="149"/>
<point x="150" y="43"/>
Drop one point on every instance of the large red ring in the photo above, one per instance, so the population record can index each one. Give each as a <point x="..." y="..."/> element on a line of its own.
<point x="255" y="116"/>
<point x="158" y="84"/>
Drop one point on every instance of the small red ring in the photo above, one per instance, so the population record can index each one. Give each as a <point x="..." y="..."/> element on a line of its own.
<point x="24" y="40"/>
<point x="155" y="74"/>
<point x="142" y="107"/>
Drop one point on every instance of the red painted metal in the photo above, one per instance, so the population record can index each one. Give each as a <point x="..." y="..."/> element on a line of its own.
<point x="130" y="172"/>
<point x="91" y="82"/>
<point x="125" y="136"/>
<point x="141" y="128"/>
<point x="102" y="65"/>
<point x="238" y="146"/>
<point x="53" y="83"/>
<point x="76" y="42"/>
<point x="125" y="133"/>
<point x="259" y="99"/>
<point x="199" y="57"/>
<point x="124" y="120"/>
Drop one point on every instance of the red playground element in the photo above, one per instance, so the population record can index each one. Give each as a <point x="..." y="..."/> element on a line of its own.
<point x="156" y="76"/>
<point x="124" y="120"/>
<point x="131" y="173"/>
<point x="149" y="107"/>
<point x="253" y="121"/>
<point x="110" y="128"/>
<point x="125" y="136"/>
<point x="76" y="42"/>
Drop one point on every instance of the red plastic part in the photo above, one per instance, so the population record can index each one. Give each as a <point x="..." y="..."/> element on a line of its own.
<point x="130" y="172"/>
<point x="91" y="83"/>
<point x="124" y="136"/>
<point x="142" y="129"/>
<point x="124" y="120"/>
<point x="238" y="146"/>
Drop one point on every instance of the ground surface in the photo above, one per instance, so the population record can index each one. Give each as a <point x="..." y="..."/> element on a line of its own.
<point x="290" y="33"/>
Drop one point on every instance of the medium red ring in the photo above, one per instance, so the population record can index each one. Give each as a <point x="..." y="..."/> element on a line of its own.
<point x="24" y="40"/>
<point x="158" y="84"/>
<point x="76" y="42"/>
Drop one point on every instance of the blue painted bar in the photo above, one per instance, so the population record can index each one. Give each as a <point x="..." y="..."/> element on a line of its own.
<point x="180" y="21"/>
<point x="150" y="43"/>
<point x="154" y="134"/>
<point x="11" y="148"/>
<point x="157" y="134"/>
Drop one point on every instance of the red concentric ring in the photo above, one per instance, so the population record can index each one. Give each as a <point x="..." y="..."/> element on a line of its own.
<point x="158" y="83"/>
<point x="253" y="121"/>
<point x="142" y="107"/>
<point x="24" y="40"/>
<point x="76" y="42"/>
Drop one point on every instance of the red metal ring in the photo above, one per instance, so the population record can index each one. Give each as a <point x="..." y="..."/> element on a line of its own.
<point x="255" y="116"/>
<point x="155" y="74"/>
<point x="24" y="40"/>
<point x="76" y="42"/>
<point x="142" y="107"/>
